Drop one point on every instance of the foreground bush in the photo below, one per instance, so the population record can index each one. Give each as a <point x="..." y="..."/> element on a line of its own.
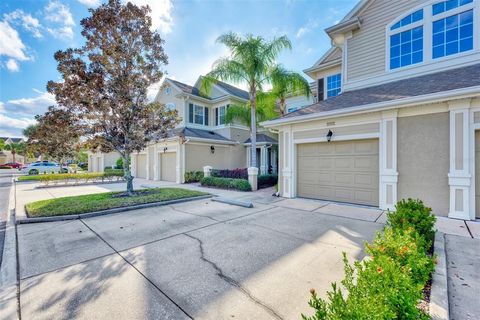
<point x="413" y="214"/>
<point x="226" y="183"/>
<point x="5" y="167"/>
<point x="267" y="180"/>
<point x="389" y="284"/>
<point x="239" y="173"/>
<point x="193" y="176"/>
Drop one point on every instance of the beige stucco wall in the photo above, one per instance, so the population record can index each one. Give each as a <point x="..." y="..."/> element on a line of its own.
<point x="111" y="159"/>
<point x="366" y="49"/>
<point x="225" y="157"/>
<point x="423" y="160"/>
<point x="164" y="98"/>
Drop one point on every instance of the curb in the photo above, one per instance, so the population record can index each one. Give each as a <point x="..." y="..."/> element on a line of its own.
<point x="8" y="270"/>
<point x="109" y="211"/>
<point x="74" y="185"/>
<point x="233" y="202"/>
<point x="439" y="307"/>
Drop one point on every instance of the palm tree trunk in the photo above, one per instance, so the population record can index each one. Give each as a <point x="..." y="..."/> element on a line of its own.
<point x="253" y="126"/>
<point x="13" y="155"/>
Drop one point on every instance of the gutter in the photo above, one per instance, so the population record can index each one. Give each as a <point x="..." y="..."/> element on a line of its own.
<point x="391" y="104"/>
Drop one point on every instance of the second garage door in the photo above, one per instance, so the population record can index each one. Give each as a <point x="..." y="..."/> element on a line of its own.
<point x="168" y="163"/>
<point x="344" y="171"/>
<point x="142" y="166"/>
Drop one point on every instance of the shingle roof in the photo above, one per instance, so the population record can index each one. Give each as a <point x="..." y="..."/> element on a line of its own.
<point x="15" y="140"/>
<point x="263" y="138"/>
<point x="234" y="91"/>
<point x="428" y="84"/>
<point x="197" y="133"/>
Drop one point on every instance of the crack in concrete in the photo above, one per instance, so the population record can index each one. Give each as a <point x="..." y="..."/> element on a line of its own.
<point x="220" y="273"/>
<point x="193" y="214"/>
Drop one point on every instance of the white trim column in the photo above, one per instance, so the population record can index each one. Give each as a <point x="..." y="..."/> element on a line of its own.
<point x="288" y="183"/>
<point x="180" y="166"/>
<point x="460" y="175"/>
<point x="156" y="163"/>
<point x="274" y="160"/>
<point x="133" y="164"/>
<point x="388" y="161"/>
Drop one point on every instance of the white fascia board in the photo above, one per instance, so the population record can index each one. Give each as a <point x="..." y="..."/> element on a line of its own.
<point x="326" y="65"/>
<point x="391" y="104"/>
<point x="211" y="141"/>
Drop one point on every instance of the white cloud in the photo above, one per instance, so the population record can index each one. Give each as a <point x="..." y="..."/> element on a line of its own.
<point x="90" y="3"/>
<point x="311" y="24"/>
<point x="25" y="107"/>
<point x="20" y="123"/>
<point x="29" y="23"/>
<point x="12" y="65"/>
<point x="161" y="14"/>
<point x="10" y="43"/>
<point x="59" y="13"/>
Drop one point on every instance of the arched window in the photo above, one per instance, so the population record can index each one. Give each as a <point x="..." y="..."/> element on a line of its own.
<point x="437" y="29"/>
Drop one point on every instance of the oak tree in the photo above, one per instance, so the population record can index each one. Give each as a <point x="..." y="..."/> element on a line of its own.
<point x="104" y="83"/>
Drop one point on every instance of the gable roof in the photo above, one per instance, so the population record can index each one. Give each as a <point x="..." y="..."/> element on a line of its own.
<point x="197" y="133"/>
<point x="332" y="57"/>
<point x="439" y="82"/>
<point x="193" y="90"/>
<point x="263" y="138"/>
<point x="14" y="140"/>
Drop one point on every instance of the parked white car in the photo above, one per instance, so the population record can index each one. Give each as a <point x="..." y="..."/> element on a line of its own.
<point x="43" y="167"/>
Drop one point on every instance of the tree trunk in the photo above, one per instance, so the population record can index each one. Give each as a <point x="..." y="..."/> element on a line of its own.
<point x="13" y="155"/>
<point x="253" y="127"/>
<point x="127" y="173"/>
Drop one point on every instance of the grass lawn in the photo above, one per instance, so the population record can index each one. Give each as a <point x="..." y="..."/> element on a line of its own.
<point x="102" y="201"/>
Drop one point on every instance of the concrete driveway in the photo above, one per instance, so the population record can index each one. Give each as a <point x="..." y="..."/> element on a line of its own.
<point x="201" y="260"/>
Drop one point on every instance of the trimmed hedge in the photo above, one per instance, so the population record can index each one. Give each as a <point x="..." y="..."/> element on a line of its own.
<point x="390" y="284"/>
<point x="227" y="183"/>
<point x="267" y="180"/>
<point x="5" y="167"/>
<point x="115" y="172"/>
<point x="239" y="173"/>
<point x="56" y="178"/>
<point x="193" y="176"/>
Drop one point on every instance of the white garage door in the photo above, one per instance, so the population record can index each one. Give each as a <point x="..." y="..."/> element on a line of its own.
<point x="142" y="166"/>
<point x="344" y="171"/>
<point x="168" y="162"/>
<point x="477" y="174"/>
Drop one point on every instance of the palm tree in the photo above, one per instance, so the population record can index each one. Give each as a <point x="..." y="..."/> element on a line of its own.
<point x="285" y="83"/>
<point x="252" y="61"/>
<point x="15" y="148"/>
<point x="243" y="113"/>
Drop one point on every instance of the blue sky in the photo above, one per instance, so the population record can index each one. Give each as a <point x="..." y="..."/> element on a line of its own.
<point x="32" y="30"/>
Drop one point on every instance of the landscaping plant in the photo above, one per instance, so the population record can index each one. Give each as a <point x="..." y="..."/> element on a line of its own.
<point x="389" y="283"/>
<point x="227" y="183"/>
<point x="267" y="180"/>
<point x="193" y="176"/>
<point x="239" y="173"/>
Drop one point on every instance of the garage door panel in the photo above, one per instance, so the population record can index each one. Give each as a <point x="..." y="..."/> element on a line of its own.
<point x="340" y="171"/>
<point x="142" y="166"/>
<point x="168" y="166"/>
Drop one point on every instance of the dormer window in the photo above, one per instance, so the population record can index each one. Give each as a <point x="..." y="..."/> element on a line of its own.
<point x="334" y="85"/>
<point x="439" y="29"/>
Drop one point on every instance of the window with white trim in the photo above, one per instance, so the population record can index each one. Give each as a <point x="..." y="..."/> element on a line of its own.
<point x="198" y="114"/>
<point x="439" y="29"/>
<point x="220" y="114"/>
<point x="334" y="85"/>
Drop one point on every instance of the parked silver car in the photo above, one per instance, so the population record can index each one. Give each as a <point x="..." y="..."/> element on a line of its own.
<point x="43" y="167"/>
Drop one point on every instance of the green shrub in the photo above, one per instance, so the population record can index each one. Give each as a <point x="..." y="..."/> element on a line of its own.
<point x="413" y="214"/>
<point x="376" y="290"/>
<point x="56" y="178"/>
<point x="5" y="167"/>
<point x="226" y="183"/>
<point x="407" y="248"/>
<point x="114" y="172"/>
<point x="119" y="163"/>
<point x="193" y="176"/>
<point x="267" y="180"/>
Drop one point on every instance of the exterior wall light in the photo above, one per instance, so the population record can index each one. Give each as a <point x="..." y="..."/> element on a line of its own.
<point x="165" y="149"/>
<point x="212" y="149"/>
<point x="329" y="135"/>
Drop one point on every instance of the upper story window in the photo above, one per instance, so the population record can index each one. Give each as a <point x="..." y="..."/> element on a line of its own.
<point x="334" y="85"/>
<point x="453" y="34"/>
<point x="411" y="18"/>
<point x="197" y="114"/>
<point x="439" y="29"/>
<point x="443" y="6"/>
<point x="220" y="114"/>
